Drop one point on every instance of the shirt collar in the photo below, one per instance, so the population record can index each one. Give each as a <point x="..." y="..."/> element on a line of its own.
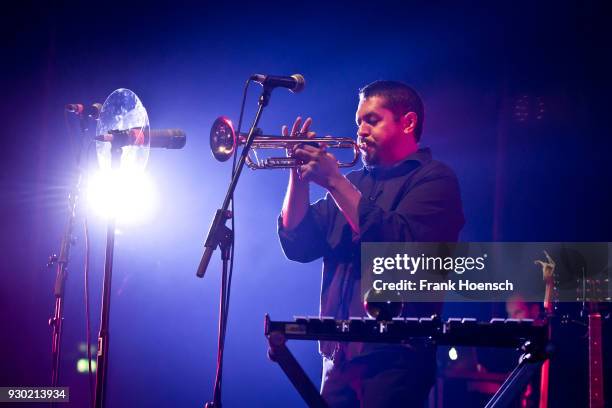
<point x="416" y="159"/>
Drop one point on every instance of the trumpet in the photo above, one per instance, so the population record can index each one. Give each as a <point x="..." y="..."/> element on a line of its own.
<point x="224" y="140"/>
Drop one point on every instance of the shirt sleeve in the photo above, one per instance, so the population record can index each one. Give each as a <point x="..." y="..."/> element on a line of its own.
<point x="430" y="211"/>
<point x="308" y="240"/>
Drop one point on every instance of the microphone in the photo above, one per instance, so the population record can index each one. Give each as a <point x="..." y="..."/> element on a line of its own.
<point x="93" y="110"/>
<point x="159" y="138"/>
<point x="295" y="83"/>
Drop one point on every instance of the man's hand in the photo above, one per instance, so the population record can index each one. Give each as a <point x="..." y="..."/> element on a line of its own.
<point x="319" y="166"/>
<point x="297" y="197"/>
<point x="548" y="266"/>
<point x="295" y="130"/>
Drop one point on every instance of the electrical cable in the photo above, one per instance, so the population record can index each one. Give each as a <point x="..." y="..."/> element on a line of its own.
<point x="225" y="307"/>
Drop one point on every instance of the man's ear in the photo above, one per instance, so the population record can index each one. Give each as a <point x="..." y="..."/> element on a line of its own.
<point x="409" y="122"/>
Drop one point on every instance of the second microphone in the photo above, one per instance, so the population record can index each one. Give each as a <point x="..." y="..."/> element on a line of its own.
<point x="159" y="138"/>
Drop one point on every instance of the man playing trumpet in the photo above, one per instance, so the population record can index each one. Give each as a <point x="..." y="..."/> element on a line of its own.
<point x="401" y="194"/>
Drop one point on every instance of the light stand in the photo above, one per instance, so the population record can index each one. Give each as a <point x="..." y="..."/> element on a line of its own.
<point x="103" y="336"/>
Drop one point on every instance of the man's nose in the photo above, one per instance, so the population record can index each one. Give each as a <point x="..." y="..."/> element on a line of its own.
<point x="363" y="130"/>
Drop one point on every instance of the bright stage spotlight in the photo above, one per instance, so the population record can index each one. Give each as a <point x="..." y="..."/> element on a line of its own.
<point x="127" y="194"/>
<point x="83" y="366"/>
<point x="452" y="354"/>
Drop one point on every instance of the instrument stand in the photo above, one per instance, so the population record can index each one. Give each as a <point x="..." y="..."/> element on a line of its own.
<point x="220" y="235"/>
<point x="56" y="322"/>
<point x="103" y="336"/>
<point x="529" y="365"/>
<point x="225" y="238"/>
<point x="279" y="353"/>
<point x="221" y="217"/>
<point x="535" y="351"/>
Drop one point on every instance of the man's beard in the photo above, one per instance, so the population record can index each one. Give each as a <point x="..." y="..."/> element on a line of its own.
<point x="372" y="158"/>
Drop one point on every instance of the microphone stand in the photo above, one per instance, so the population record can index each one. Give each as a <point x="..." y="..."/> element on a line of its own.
<point x="61" y="262"/>
<point x="56" y="322"/>
<point x="220" y="235"/>
<point x="103" y="336"/>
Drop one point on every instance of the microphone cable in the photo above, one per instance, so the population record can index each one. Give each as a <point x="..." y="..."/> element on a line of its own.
<point x="77" y="153"/>
<point x="224" y="313"/>
<point x="231" y="269"/>
<point x="86" y="290"/>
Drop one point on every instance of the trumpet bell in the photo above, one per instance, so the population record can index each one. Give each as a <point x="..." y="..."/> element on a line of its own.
<point x="222" y="139"/>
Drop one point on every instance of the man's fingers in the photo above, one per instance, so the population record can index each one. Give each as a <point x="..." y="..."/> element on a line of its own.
<point x="306" y="125"/>
<point x="311" y="151"/>
<point x="305" y="155"/>
<point x="550" y="260"/>
<point x="305" y="172"/>
<point x="308" y="148"/>
<point x="299" y="128"/>
<point x="296" y="125"/>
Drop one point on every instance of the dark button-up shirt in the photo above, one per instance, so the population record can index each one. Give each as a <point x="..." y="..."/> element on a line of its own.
<point x="417" y="200"/>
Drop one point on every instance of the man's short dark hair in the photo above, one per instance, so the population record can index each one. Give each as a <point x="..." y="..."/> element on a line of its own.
<point x="399" y="98"/>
